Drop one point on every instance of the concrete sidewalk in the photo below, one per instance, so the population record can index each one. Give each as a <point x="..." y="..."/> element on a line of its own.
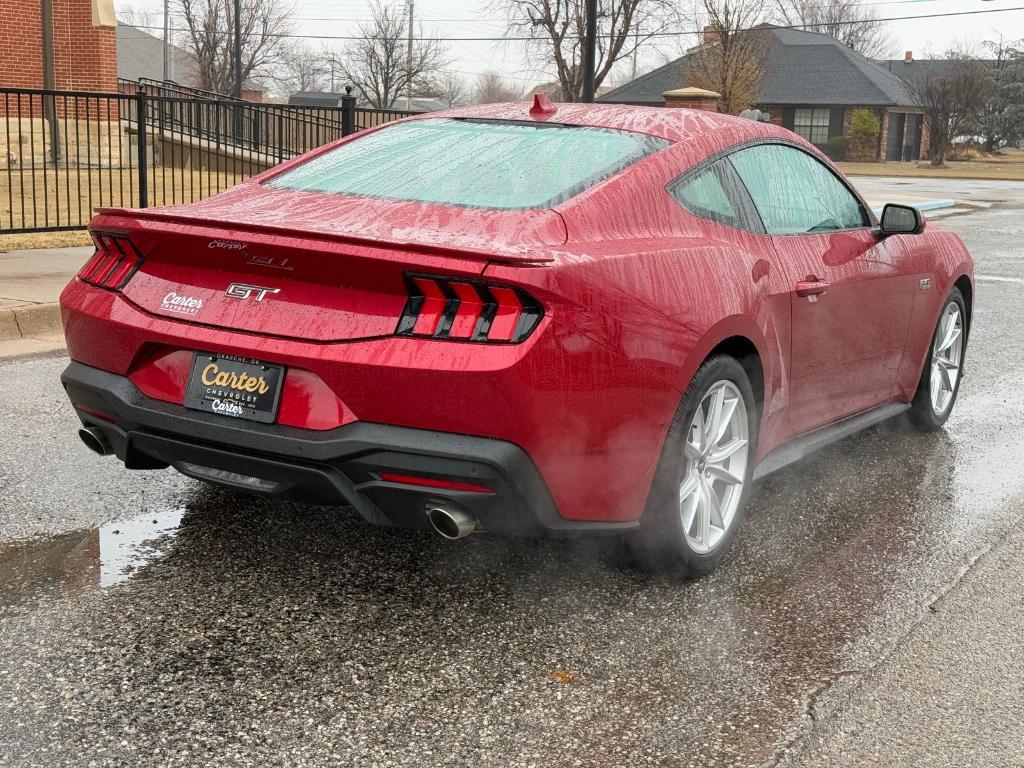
<point x="30" y="284"/>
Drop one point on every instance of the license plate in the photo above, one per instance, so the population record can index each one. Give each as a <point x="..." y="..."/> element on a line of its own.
<point x="234" y="386"/>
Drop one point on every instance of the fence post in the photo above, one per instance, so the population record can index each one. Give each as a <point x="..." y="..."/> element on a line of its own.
<point x="348" y="112"/>
<point x="280" y="135"/>
<point x="141" y="107"/>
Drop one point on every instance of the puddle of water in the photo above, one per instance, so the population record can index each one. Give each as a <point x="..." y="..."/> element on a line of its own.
<point x="126" y="545"/>
<point x="85" y="559"/>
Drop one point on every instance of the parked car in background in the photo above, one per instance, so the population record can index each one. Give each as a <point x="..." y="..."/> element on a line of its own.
<point x="563" y="320"/>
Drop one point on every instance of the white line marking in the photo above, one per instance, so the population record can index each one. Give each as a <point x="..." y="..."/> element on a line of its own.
<point x="997" y="279"/>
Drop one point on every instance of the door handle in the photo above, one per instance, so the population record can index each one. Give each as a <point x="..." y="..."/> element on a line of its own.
<point x="806" y="288"/>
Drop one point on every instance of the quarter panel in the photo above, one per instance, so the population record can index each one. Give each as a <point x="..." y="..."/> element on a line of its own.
<point x="941" y="257"/>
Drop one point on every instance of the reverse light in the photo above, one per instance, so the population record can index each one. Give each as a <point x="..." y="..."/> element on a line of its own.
<point x="467" y="310"/>
<point x="115" y="261"/>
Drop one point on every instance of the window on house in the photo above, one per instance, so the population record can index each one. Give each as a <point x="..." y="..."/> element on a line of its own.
<point x="812" y="124"/>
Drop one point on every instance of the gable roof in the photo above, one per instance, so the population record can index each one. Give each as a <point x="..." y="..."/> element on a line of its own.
<point x="141" y="55"/>
<point x="800" y="68"/>
<point x="915" y="72"/>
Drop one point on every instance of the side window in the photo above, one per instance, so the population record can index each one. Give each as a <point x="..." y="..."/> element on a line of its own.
<point x="795" y="193"/>
<point x="714" y="194"/>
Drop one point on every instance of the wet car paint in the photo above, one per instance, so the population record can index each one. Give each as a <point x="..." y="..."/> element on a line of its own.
<point x="637" y="292"/>
<point x="271" y="633"/>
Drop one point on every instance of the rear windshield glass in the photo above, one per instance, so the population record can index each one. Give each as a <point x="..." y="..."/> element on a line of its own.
<point x="476" y="163"/>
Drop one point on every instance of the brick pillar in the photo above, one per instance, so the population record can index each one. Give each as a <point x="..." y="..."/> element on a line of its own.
<point x="692" y="98"/>
<point x="85" y="45"/>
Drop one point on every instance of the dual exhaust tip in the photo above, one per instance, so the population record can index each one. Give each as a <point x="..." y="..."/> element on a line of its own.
<point x="451" y="522"/>
<point x="95" y="440"/>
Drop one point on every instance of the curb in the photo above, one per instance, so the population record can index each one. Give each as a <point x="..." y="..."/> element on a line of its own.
<point x="30" y="320"/>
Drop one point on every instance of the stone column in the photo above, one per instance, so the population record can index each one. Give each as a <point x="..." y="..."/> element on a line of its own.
<point x="692" y="98"/>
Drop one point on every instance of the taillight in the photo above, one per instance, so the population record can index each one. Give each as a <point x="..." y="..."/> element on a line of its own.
<point x="115" y="261"/>
<point x="467" y="310"/>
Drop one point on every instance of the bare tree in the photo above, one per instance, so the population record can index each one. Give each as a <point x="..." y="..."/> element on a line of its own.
<point x="303" y="69"/>
<point x="209" y="38"/>
<point x="490" y="88"/>
<point x="730" y="58"/>
<point x="450" y="87"/>
<point x="378" y="64"/>
<point x="849" y="22"/>
<point x="136" y="16"/>
<point x="950" y="97"/>
<point x="1001" y="121"/>
<point x="556" y="29"/>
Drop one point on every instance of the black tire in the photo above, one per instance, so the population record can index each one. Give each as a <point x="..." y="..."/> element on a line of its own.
<point x="922" y="414"/>
<point x="660" y="544"/>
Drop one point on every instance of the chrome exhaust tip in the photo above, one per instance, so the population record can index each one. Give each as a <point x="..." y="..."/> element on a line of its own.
<point x="451" y="522"/>
<point x="95" y="440"/>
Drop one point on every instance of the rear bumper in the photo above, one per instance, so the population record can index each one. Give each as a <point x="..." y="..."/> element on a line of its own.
<point x="328" y="467"/>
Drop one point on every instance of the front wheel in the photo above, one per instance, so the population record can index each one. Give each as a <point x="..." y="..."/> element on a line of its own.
<point x="701" y="485"/>
<point x="943" y="370"/>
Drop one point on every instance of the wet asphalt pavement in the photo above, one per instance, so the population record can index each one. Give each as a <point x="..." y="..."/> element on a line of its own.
<point x="870" y="614"/>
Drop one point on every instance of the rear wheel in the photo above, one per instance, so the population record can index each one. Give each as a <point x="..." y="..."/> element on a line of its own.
<point x="943" y="370"/>
<point x="703" y="478"/>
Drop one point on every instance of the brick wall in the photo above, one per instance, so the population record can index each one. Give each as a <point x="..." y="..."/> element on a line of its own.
<point x="85" y="57"/>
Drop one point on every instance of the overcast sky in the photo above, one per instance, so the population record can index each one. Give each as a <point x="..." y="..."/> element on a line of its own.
<point x="483" y="19"/>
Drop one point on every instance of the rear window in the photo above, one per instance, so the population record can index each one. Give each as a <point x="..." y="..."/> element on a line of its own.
<point x="475" y="163"/>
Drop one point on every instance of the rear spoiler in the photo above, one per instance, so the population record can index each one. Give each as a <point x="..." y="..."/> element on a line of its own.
<point x="498" y="253"/>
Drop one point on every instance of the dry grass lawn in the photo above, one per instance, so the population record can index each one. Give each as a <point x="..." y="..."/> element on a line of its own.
<point x="68" y="197"/>
<point x="1008" y="166"/>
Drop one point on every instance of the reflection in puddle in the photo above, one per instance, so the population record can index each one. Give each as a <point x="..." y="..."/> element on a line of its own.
<point x="127" y="545"/>
<point x="82" y="560"/>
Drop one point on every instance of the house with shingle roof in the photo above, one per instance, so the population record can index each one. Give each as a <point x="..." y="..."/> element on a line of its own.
<point x="811" y="84"/>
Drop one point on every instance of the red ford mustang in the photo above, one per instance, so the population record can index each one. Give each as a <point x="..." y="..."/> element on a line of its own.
<point x="548" y="320"/>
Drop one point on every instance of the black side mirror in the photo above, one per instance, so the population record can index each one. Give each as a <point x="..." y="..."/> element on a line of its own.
<point x="901" y="220"/>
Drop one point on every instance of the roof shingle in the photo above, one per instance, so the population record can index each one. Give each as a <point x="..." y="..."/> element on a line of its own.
<point x="800" y="68"/>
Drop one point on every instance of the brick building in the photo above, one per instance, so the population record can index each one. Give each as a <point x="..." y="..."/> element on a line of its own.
<point x="84" y="44"/>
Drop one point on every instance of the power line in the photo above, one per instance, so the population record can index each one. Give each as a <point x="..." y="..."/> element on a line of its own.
<point x="673" y="33"/>
<point x="478" y="20"/>
<point x="447" y="19"/>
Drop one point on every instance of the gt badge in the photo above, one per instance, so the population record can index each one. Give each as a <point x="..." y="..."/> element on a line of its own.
<point x="925" y="284"/>
<point x="244" y="291"/>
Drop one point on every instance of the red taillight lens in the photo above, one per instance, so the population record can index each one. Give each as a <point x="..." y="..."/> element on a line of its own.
<point x="115" y="261"/>
<point x="464" y="310"/>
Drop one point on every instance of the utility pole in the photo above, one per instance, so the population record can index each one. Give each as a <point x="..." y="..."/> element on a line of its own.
<point x="167" y="41"/>
<point x="49" y="79"/>
<point x="590" y="52"/>
<point x="408" y="64"/>
<point x="238" y="49"/>
<point x="636" y="49"/>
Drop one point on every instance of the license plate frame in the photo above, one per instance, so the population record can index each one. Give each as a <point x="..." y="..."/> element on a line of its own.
<point x="235" y="387"/>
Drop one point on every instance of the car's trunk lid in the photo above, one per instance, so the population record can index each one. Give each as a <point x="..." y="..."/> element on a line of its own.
<point x="308" y="265"/>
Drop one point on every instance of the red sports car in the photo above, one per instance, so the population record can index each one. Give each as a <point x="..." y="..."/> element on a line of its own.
<point x="552" y="320"/>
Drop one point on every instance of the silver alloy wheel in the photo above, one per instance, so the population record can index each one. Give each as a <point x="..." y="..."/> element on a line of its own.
<point x="715" y="455"/>
<point x="947" y="353"/>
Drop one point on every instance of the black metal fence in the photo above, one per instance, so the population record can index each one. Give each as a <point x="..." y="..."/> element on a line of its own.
<point x="69" y="152"/>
